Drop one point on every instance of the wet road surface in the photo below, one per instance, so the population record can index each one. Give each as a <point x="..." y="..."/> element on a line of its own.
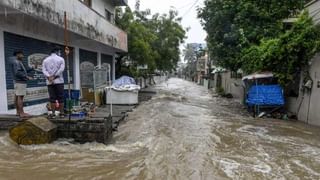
<point x="182" y="133"/>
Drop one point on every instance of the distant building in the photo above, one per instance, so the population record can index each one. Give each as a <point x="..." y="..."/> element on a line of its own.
<point x="197" y="46"/>
<point x="197" y="57"/>
<point x="36" y="27"/>
<point x="202" y="67"/>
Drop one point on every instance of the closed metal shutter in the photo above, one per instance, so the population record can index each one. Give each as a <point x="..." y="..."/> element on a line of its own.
<point x="88" y="56"/>
<point x="31" y="48"/>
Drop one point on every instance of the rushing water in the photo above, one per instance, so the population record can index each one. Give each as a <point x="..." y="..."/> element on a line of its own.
<point x="182" y="133"/>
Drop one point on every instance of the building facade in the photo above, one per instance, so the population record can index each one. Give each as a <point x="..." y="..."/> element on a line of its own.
<point x="36" y="27"/>
<point x="202" y="68"/>
<point x="197" y="61"/>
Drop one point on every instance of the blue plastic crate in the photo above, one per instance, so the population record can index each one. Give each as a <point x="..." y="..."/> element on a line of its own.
<point x="79" y="115"/>
<point x="75" y="94"/>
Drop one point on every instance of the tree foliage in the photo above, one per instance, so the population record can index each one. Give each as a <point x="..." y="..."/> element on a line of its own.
<point x="170" y="35"/>
<point x="140" y="38"/>
<point x="286" y="54"/>
<point x="152" y="39"/>
<point x="235" y="25"/>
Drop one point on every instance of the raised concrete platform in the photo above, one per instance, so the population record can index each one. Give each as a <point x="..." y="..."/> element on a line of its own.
<point x="7" y="121"/>
<point x="96" y="127"/>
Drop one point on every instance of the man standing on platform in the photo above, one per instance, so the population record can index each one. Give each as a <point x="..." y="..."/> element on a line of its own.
<point x="20" y="77"/>
<point x="53" y="67"/>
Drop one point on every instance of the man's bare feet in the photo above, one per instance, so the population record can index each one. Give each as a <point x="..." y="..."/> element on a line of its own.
<point x="24" y="115"/>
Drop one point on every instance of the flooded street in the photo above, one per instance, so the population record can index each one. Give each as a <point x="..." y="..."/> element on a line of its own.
<point x="182" y="133"/>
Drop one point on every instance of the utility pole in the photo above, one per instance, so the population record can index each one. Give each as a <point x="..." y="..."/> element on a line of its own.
<point x="67" y="52"/>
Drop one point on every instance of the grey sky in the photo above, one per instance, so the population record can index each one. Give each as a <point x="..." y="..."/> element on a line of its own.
<point x="186" y="9"/>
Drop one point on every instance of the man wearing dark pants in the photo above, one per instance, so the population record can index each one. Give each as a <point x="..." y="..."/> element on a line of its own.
<point x="53" y="67"/>
<point x="20" y="77"/>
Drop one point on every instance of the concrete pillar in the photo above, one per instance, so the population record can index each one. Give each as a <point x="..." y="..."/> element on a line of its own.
<point x="113" y="67"/>
<point x="76" y="69"/>
<point x="99" y="60"/>
<point x="3" y="87"/>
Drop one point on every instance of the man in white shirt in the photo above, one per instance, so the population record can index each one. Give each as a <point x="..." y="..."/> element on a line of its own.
<point x="53" y="67"/>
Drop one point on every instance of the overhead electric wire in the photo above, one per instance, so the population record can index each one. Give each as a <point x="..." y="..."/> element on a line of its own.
<point x="196" y="1"/>
<point x="184" y="6"/>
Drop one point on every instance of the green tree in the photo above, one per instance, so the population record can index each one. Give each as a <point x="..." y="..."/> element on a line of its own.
<point x="152" y="39"/>
<point x="235" y="25"/>
<point x="286" y="54"/>
<point x="140" y="38"/>
<point x="170" y="35"/>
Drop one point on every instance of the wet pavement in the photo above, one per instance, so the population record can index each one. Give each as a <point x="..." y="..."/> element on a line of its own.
<point x="184" y="132"/>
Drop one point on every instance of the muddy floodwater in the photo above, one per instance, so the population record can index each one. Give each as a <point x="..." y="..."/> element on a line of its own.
<point x="184" y="132"/>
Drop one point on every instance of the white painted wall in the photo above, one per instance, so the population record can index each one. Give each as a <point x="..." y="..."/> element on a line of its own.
<point x="99" y="59"/>
<point x="313" y="109"/>
<point x="314" y="11"/>
<point x="81" y="19"/>
<point x="306" y="106"/>
<point x="109" y="6"/>
<point x="114" y="68"/>
<point x="76" y="73"/>
<point x="310" y="101"/>
<point x="299" y="105"/>
<point x="232" y="86"/>
<point x="3" y="87"/>
<point x="101" y="5"/>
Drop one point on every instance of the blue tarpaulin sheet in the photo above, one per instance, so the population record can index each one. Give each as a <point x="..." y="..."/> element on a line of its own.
<point x="265" y="95"/>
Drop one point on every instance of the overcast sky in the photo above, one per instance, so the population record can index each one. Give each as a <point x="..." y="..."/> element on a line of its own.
<point x="186" y="9"/>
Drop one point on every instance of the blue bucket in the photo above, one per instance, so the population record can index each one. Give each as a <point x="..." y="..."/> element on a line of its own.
<point x="75" y="94"/>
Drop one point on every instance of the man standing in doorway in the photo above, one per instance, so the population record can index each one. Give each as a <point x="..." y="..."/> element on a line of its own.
<point x="53" y="67"/>
<point x="20" y="77"/>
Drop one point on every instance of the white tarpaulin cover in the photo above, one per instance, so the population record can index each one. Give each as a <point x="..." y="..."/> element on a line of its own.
<point x="218" y="70"/>
<point x="125" y="83"/>
<point x="258" y="76"/>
